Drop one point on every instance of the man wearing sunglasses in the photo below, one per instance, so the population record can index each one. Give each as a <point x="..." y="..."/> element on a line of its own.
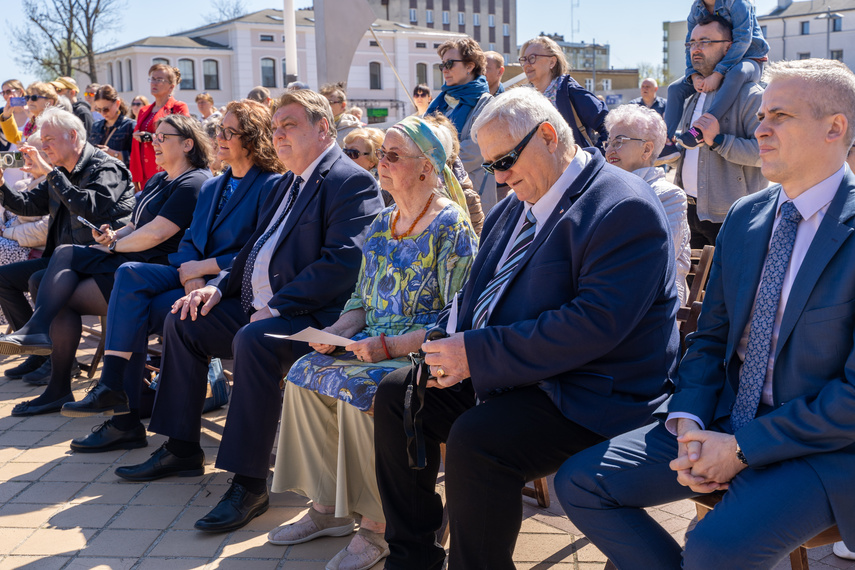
<point x="565" y="333"/>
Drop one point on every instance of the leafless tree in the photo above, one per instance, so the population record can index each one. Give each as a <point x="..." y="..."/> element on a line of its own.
<point x="226" y="10"/>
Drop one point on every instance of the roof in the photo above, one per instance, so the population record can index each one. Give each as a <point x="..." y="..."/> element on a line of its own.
<point x="809" y="8"/>
<point x="171" y="42"/>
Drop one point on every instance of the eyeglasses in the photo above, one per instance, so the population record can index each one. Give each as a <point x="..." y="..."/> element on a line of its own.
<point x="160" y="138"/>
<point x="157" y="80"/>
<point x="88" y="94"/>
<point x="391" y="155"/>
<point x="449" y="63"/>
<point x="335" y="101"/>
<point x="532" y="59"/>
<point x="420" y="95"/>
<point x="136" y="104"/>
<point x="704" y="44"/>
<point x="509" y="160"/>
<point x="9" y="92"/>
<point x="617" y="142"/>
<point x="35" y="97"/>
<point x="353" y="153"/>
<point x="226" y="132"/>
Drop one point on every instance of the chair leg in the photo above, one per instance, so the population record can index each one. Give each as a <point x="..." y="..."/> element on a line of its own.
<point x="799" y="559"/>
<point x="539" y="492"/>
<point x="99" y="352"/>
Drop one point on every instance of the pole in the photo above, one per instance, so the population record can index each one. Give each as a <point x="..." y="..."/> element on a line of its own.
<point x="594" y="66"/>
<point x="392" y="65"/>
<point x="828" y="34"/>
<point x="289" y="22"/>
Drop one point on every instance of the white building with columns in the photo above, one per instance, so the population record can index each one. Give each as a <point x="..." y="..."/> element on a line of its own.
<point x="227" y="59"/>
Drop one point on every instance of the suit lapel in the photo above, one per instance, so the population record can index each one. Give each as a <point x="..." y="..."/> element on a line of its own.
<point x="243" y="187"/>
<point x="830" y="235"/>
<point x="210" y="216"/>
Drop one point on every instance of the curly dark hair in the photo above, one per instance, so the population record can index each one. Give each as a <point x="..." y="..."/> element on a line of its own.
<point x="470" y="52"/>
<point x="256" y="131"/>
<point x="189" y="128"/>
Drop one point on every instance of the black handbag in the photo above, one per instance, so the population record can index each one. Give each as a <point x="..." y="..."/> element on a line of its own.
<point x="414" y="402"/>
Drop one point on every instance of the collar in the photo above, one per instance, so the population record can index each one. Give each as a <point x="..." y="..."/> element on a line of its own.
<point x="314" y="165"/>
<point x="543" y="208"/>
<point x="815" y="198"/>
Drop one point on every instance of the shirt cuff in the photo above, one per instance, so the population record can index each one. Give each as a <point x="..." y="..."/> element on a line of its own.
<point x="671" y="422"/>
<point x="274" y="312"/>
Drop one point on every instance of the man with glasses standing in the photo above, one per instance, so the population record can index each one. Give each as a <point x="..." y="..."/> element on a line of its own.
<point x="565" y="334"/>
<point x="727" y="166"/>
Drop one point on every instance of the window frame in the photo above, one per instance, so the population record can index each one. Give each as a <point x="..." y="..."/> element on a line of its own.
<point x="272" y="83"/>
<point x="189" y="79"/>
<point x="375" y="71"/>
<point x="206" y="75"/>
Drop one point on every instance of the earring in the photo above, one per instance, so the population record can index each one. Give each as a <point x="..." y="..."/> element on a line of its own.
<point x="422" y="177"/>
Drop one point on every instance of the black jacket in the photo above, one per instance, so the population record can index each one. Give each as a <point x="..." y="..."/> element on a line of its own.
<point x="98" y="188"/>
<point x="83" y="112"/>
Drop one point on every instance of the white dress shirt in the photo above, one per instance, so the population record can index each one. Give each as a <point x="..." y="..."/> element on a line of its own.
<point x="812" y="205"/>
<point x="690" y="160"/>
<point x="261" y="290"/>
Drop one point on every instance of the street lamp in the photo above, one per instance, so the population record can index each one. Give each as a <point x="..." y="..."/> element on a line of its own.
<point x="828" y="16"/>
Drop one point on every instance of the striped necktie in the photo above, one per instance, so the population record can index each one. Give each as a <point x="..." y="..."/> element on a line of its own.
<point x="246" y="295"/>
<point x="500" y="279"/>
<point x="752" y="376"/>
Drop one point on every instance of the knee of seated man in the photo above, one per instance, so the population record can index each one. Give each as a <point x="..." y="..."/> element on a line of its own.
<point x="714" y="544"/>
<point x="471" y="437"/>
<point x="577" y="484"/>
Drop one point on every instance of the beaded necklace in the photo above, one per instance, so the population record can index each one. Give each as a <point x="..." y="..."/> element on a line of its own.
<point x="416" y="221"/>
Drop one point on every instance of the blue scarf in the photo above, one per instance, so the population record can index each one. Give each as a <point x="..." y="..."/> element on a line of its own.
<point x="466" y="95"/>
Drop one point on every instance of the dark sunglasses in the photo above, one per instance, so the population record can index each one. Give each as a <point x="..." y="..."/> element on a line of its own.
<point x="137" y="104"/>
<point x="35" y="97"/>
<point x="509" y="160"/>
<point x="420" y="95"/>
<point x="353" y="154"/>
<point x="391" y="155"/>
<point x="449" y="63"/>
<point x="226" y="132"/>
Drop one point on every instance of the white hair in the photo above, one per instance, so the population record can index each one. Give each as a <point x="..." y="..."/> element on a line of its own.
<point x="638" y="122"/>
<point x="518" y="111"/>
<point x="64" y="121"/>
<point x="35" y="140"/>
<point x="64" y="103"/>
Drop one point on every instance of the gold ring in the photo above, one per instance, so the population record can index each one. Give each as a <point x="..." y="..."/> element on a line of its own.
<point x="440" y="372"/>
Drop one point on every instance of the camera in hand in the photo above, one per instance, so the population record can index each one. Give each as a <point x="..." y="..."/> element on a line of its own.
<point x="12" y="159"/>
<point x="146" y="137"/>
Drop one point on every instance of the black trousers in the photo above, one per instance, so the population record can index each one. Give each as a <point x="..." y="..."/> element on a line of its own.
<point x="14" y="282"/>
<point x="493" y="449"/>
<point x="256" y="401"/>
<point x="703" y="232"/>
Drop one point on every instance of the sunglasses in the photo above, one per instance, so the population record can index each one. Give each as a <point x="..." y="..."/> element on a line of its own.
<point x="101" y="110"/>
<point x="509" y="160"/>
<point x="137" y="104"/>
<point x="35" y="97"/>
<point x="353" y="153"/>
<point x="226" y="132"/>
<point x="160" y="138"/>
<point x="449" y="63"/>
<point x="391" y="155"/>
<point x="420" y="95"/>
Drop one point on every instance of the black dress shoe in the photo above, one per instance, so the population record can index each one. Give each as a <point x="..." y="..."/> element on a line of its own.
<point x="163" y="464"/>
<point x="28" y="408"/>
<point x="237" y="507"/>
<point x="108" y="437"/>
<point x="41" y="376"/>
<point x="31" y="364"/>
<point x="99" y="400"/>
<point x="36" y="343"/>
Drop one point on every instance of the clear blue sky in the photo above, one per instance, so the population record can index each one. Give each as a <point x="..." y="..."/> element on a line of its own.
<point x="632" y="27"/>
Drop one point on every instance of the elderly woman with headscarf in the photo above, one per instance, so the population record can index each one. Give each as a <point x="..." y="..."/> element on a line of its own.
<point x="416" y="256"/>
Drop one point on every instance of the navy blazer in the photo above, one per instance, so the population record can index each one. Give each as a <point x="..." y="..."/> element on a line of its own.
<point x="589" y="313"/>
<point x="814" y="375"/>
<point x="223" y="236"/>
<point x="317" y="258"/>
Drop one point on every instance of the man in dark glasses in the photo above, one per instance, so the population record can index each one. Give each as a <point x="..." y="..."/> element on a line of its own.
<point x="565" y="334"/>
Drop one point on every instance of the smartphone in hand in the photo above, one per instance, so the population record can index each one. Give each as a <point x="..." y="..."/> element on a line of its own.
<point x="86" y="222"/>
<point x="14" y="159"/>
<point x="17" y="101"/>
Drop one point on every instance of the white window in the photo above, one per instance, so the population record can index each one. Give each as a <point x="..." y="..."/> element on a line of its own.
<point x="268" y="72"/>
<point x="211" y="73"/>
<point x="414" y="15"/>
<point x="461" y="18"/>
<point x="110" y="73"/>
<point x="476" y="19"/>
<point x="607" y="84"/>
<point x="837" y="54"/>
<point x="437" y="77"/>
<point x="429" y="16"/>
<point x="421" y="73"/>
<point x="492" y="47"/>
<point x="589" y="84"/>
<point x="446" y="18"/>
<point x="188" y="77"/>
<point x="158" y="60"/>
<point x="491" y="20"/>
<point x="506" y="30"/>
<point x="119" y="83"/>
<point x="130" y="77"/>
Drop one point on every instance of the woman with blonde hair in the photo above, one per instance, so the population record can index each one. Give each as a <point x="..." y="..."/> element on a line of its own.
<point x="416" y="256"/>
<point x="40" y="96"/>
<point x="546" y="68"/>
<point x="137" y="104"/>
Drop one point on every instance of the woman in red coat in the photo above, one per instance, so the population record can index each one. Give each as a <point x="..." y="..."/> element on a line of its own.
<point x="163" y="80"/>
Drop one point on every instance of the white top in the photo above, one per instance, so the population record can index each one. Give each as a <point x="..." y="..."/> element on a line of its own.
<point x="690" y="160"/>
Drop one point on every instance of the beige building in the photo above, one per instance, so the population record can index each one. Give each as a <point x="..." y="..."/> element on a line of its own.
<point x="227" y="59"/>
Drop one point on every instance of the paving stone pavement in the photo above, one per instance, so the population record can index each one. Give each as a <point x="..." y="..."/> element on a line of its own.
<point x="65" y="510"/>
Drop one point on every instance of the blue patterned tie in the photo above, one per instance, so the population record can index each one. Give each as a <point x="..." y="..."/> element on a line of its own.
<point x="753" y="373"/>
<point x="246" y="295"/>
<point x="497" y="283"/>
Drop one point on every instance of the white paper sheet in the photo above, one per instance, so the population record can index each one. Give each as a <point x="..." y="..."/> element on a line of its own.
<point x="311" y="334"/>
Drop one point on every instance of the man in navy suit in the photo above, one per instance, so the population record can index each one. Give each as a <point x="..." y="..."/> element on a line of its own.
<point x="297" y="270"/>
<point x="765" y="401"/>
<point x="566" y="333"/>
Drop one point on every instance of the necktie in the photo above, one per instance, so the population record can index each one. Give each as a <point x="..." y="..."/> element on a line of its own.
<point x="500" y="279"/>
<point x="246" y="283"/>
<point x="753" y="373"/>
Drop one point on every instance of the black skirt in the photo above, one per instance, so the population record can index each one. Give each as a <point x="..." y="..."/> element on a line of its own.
<point x="102" y="266"/>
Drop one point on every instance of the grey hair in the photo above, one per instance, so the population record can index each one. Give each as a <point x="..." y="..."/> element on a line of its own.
<point x="640" y="122"/>
<point x="518" y="111"/>
<point x="64" y="121"/>
<point x="832" y="87"/>
<point x="64" y="103"/>
<point x="35" y="140"/>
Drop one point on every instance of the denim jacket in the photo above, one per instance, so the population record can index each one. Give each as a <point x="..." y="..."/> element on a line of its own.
<point x="748" y="41"/>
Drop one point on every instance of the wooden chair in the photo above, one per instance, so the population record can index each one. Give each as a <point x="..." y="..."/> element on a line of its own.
<point x="699" y="273"/>
<point x="100" y="333"/>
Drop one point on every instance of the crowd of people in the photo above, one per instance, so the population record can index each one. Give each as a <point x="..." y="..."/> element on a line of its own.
<point x="531" y="332"/>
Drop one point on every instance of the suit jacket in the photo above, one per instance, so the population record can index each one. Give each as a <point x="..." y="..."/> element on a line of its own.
<point x="317" y="258"/>
<point x="589" y="312"/>
<point x="813" y="390"/>
<point x="223" y="236"/>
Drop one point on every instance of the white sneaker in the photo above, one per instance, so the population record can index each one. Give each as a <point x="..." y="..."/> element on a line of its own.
<point x="841" y="551"/>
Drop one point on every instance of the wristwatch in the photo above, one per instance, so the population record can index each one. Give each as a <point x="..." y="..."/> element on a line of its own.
<point x="741" y="456"/>
<point x="112" y="246"/>
<point x="719" y="138"/>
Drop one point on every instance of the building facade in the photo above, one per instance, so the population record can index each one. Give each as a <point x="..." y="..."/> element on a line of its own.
<point x="227" y="59"/>
<point x="492" y="23"/>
